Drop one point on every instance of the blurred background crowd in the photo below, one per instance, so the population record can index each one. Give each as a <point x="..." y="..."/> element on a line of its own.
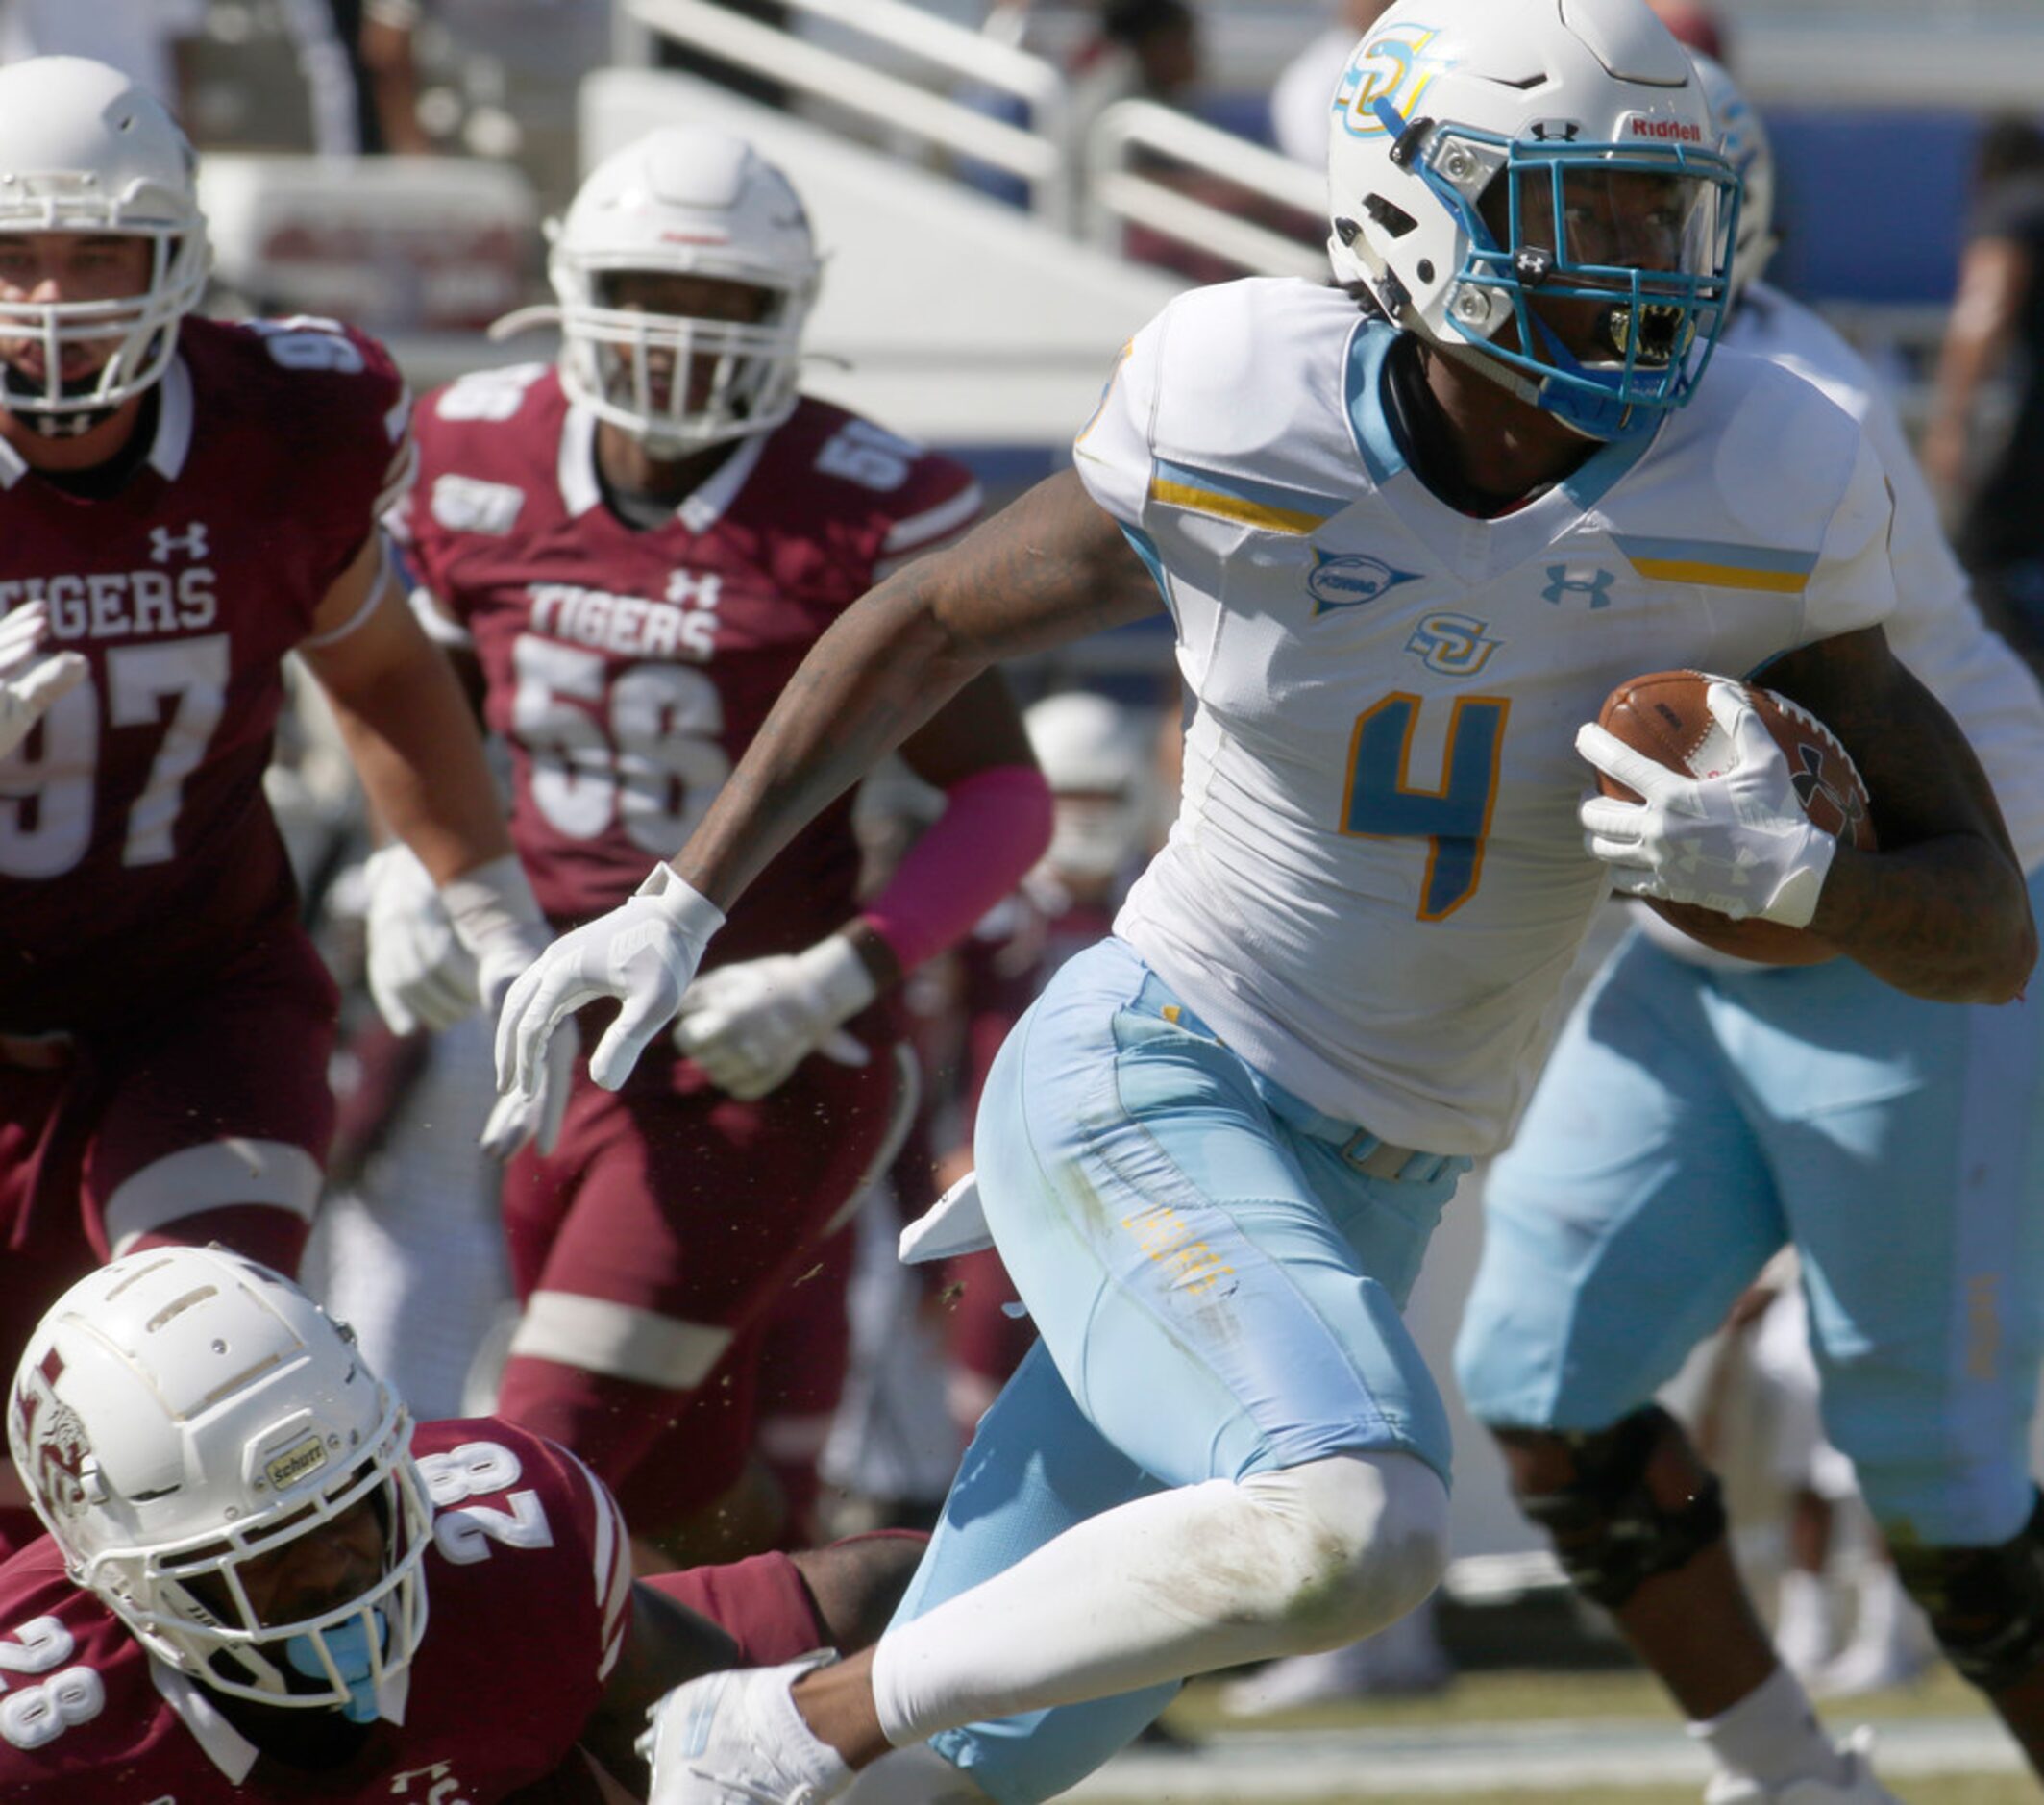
<point x="1005" y="191"/>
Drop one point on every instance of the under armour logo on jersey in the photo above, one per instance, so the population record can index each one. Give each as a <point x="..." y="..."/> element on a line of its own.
<point x="1566" y="580"/>
<point x="688" y="588"/>
<point x="1455" y="645"/>
<point x="192" y="542"/>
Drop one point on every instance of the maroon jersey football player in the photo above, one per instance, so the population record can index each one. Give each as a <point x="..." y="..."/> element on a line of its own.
<point x="245" y="1533"/>
<point x="183" y="503"/>
<point x="636" y="548"/>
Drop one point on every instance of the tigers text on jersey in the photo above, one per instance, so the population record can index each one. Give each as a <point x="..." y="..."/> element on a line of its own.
<point x="528" y="1589"/>
<point x="1936" y="629"/>
<point x="1376" y="880"/>
<point x="136" y="851"/>
<point x="629" y="670"/>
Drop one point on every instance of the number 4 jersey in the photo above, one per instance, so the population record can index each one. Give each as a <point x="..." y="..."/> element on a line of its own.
<point x="1376" y="881"/>
<point x="629" y="670"/>
<point x="528" y="1589"/>
<point x="136" y="851"/>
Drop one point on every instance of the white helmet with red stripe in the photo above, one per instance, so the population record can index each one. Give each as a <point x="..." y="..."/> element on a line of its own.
<point x="682" y="200"/>
<point x="183" y="1416"/>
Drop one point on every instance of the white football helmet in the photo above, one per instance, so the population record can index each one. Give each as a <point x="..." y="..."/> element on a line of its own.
<point x="1743" y="139"/>
<point x="1095" y="758"/>
<point x="84" y="149"/>
<point x="686" y="201"/>
<point x="183" y="1411"/>
<point x="1568" y="103"/>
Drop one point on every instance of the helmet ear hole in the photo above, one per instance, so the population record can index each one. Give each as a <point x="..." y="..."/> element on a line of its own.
<point x="1393" y="218"/>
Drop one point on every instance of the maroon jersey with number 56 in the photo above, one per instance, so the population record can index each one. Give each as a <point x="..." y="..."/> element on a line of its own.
<point x="629" y="669"/>
<point x="528" y="1589"/>
<point x="136" y="851"/>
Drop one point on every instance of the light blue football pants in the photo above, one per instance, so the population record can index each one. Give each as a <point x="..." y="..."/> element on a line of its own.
<point x="1688" y="1124"/>
<point x="1216" y="1288"/>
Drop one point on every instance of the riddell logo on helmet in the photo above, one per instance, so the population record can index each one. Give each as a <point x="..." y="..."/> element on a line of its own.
<point x="1676" y="130"/>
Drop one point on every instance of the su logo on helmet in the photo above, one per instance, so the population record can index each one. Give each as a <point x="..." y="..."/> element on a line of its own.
<point x="1394" y="65"/>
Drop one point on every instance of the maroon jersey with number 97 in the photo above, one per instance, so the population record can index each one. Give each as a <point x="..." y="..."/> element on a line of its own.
<point x="629" y="669"/>
<point x="138" y="854"/>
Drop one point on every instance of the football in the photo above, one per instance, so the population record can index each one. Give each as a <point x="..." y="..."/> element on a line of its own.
<point x="1665" y="715"/>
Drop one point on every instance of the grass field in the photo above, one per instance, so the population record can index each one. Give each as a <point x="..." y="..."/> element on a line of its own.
<point x="1960" y="1790"/>
<point x="1528" y="1695"/>
<point x="1612" y="1721"/>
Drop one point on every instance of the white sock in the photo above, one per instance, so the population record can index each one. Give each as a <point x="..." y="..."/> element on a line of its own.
<point x="1179" y="1583"/>
<point x="1772" y="1736"/>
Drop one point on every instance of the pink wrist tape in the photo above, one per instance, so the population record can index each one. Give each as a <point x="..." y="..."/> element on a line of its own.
<point x="995" y="825"/>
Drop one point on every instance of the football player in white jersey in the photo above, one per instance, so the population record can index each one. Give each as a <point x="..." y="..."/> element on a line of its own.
<point x="1698" y="1112"/>
<point x="1412" y="529"/>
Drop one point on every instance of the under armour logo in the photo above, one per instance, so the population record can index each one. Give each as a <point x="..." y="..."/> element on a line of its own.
<point x="688" y="588"/>
<point x="1809" y="782"/>
<point x="1563" y="581"/>
<point x="192" y="542"/>
<point x="1553" y="131"/>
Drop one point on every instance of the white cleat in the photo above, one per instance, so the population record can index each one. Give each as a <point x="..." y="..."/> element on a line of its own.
<point x="736" y="1738"/>
<point x="1857" y="1787"/>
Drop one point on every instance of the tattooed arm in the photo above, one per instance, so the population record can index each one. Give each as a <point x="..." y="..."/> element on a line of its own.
<point x="1941" y="909"/>
<point x="1052" y="567"/>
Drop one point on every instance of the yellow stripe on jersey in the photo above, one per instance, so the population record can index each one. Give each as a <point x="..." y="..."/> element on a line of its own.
<point x="1771" y="569"/>
<point x="1228" y="497"/>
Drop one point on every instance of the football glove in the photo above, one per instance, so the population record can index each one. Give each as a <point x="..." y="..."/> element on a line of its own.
<point x="30" y="679"/>
<point x="1738" y="843"/>
<point x="643" y="952"/>
<point x="750" y="1025"/>
<point x="420" y="975"/>
<point x="436" y="951"/>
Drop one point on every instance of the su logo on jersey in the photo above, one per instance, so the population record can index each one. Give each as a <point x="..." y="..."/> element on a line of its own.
<point x="1454" y="645"/>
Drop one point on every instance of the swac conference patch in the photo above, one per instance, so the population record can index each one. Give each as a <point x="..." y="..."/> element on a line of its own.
<point x="1348" y="580"/>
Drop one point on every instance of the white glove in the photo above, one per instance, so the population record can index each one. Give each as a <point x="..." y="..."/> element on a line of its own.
<point x="420" y="973"/>
<point x="516" y="1118"/>
<point x="748" y="1025"/>
<point x="31" y="679"/>
<point x="1738" y="843"/>
<point x="643" y="952"/>
<point x="435" y="953"/>
<point x="495" y="915"/>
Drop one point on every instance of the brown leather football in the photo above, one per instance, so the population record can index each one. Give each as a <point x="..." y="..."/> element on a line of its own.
<point x="1665" y="715"/>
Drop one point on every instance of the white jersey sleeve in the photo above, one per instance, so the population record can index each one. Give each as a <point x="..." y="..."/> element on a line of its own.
<point x="1853" y="585"/>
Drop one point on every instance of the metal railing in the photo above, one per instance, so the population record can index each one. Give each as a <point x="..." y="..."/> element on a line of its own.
<point x="893" y="103"/>
<point x="1125" y="185"/>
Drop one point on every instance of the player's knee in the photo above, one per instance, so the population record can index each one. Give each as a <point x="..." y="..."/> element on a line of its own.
<point x="1621" y="1504"/>
<point x="856" y="1583"/>
<point x="1986" y="1603"/>
<point x="1364" y="1539"/>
